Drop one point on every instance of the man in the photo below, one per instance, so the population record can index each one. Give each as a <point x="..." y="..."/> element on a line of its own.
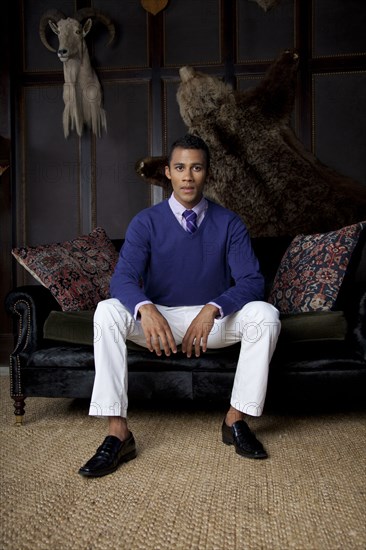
<point x="173" y="285"/>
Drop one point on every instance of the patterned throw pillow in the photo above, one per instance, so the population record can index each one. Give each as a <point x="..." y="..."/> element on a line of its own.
<point x="77" y="272"/>
<point x="312" y="270"/>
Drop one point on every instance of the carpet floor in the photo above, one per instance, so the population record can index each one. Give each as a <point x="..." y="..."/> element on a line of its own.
<point x="185" y="490"/>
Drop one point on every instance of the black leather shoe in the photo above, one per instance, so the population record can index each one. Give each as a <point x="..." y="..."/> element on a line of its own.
<point x="244" y="440"/>
<point x="109" y="456"/>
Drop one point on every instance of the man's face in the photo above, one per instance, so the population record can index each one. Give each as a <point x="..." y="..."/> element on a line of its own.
<point x="187" y="171"/>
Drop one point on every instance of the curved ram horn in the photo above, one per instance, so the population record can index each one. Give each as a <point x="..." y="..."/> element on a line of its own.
<point x="83" y="13"/>
<point x="50" y="15"/>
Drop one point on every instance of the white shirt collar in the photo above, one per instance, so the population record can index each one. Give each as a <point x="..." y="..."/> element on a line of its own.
<point x="178" y="208"/>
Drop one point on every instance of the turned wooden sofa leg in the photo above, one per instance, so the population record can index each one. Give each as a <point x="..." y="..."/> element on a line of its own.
<point x="19" y="404"/>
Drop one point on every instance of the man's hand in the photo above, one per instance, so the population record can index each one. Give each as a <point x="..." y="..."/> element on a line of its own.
<point x="156" y="330"/>
<point x="198" y="331"/>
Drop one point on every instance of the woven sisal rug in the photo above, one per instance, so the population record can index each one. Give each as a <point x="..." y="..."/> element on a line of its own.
<point x="186" y="490"/>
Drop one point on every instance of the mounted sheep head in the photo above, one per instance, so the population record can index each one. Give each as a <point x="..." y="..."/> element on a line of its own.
<point x="82" y="93"/>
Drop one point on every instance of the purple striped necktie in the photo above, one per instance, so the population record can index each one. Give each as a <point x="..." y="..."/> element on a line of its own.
<point x="191" y="220"/>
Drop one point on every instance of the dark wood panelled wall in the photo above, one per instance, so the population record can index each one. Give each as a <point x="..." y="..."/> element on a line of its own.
<point x="59" y="188"/>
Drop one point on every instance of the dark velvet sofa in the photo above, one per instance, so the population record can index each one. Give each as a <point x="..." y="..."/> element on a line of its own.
<point x="320" y="357"/>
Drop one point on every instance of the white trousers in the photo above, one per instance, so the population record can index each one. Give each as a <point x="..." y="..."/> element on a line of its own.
<point x="256" y="325"/>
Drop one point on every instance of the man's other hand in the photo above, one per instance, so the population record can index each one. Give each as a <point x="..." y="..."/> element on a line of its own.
<point x="156" y="330"/>
<point x="198" y="331"/>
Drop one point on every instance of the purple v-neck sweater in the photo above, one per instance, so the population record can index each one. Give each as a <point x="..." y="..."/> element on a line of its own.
<point x="161" y="262"/>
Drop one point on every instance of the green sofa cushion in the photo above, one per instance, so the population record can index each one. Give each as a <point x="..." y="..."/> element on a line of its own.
<point x="73" y="327"/>
<point x="76" y="327"/>
<point x="313" y="326"/>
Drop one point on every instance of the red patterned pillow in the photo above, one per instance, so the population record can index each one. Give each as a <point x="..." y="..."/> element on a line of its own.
<point x="312" y="270"/>
<point x="77" y="272"/>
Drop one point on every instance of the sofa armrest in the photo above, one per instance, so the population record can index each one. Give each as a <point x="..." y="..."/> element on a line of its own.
<point x="360" y="328"/>
<point x="30" y="306"/>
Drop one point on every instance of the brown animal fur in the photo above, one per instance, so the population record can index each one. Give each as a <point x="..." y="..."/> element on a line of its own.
<point x="259" y="168"/>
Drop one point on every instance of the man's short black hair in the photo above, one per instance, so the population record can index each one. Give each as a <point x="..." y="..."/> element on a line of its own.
<point x="190" y="141"/>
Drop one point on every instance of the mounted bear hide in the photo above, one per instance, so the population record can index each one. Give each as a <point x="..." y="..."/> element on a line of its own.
<point x="259" y="168"/>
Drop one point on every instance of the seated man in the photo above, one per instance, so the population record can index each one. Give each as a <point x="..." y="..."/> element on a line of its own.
<point x="186" y="275"/>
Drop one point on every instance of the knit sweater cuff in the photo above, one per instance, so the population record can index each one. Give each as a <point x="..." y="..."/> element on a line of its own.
<point x="227" y="306"/>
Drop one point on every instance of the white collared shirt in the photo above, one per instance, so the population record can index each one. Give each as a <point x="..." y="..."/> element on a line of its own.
<point x="177" y="208"/>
